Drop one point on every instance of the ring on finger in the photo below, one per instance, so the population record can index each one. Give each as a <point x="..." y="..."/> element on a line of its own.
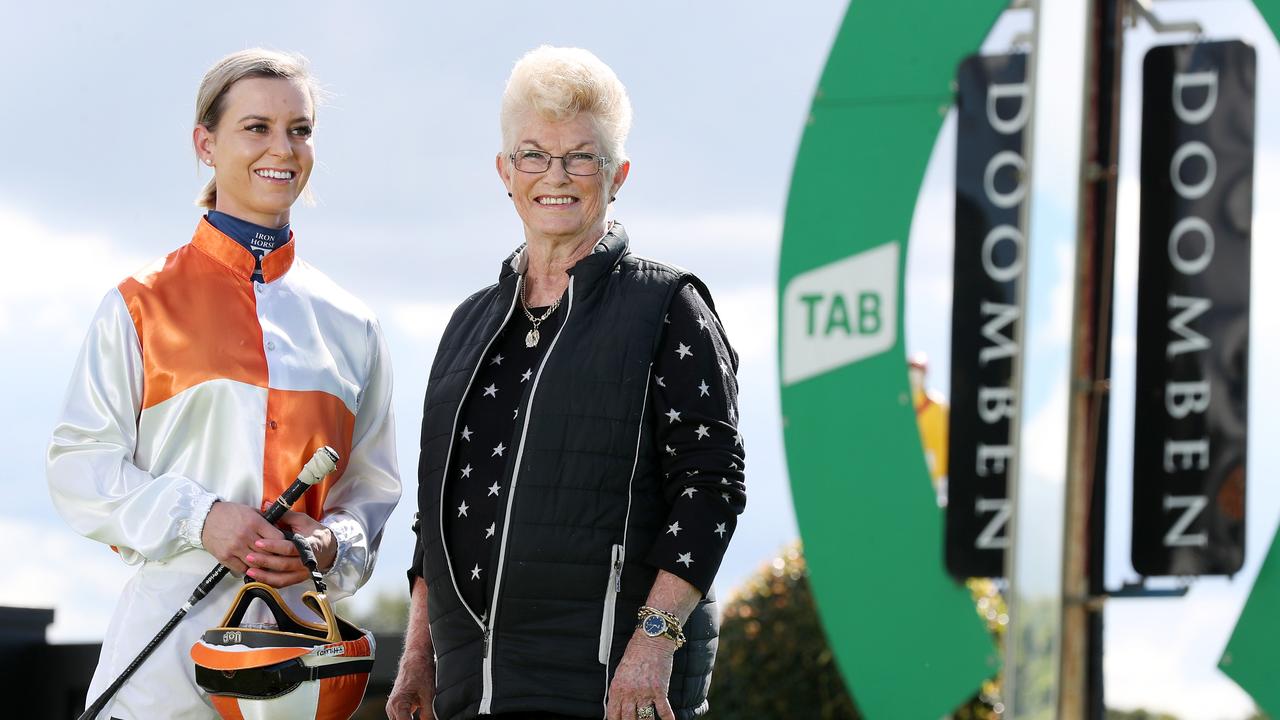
<point x="644" y="713"/>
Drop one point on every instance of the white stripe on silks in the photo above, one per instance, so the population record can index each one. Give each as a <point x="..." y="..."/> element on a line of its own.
<point x="301" y="703"/>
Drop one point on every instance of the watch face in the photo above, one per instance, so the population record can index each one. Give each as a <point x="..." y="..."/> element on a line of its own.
<point x="654" y="626"/>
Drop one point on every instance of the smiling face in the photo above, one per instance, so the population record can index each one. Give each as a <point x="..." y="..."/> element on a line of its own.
<point x="260" y="149"/>
<point x="558" y="208"/>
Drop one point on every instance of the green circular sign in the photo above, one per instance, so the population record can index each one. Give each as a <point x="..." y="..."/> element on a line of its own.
<point x="908" y="641"/>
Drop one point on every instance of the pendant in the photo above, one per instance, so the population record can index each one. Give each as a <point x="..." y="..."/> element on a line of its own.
<point x="532" y="338"/>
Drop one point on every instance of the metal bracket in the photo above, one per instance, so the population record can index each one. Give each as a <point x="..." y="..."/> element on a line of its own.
<point x="1139" y="589"/>
<point x="1143" y="9"/>
<point x="1022" y="40"/>
<point x="1095" y="172"/>
<point x="1129" y="590"/>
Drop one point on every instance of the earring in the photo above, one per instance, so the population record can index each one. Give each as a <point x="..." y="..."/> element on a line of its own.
<point x="208" y="161"/>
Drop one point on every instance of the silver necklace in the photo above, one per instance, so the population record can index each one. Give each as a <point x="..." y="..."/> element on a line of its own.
<point x="533" y="336"/>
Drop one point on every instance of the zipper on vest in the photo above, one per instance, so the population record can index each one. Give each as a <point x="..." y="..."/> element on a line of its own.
<point x="611" y="591"/>
<point x="486" y="698"/>
<point x="626" y="523"/>
<point x="453" y="434"/>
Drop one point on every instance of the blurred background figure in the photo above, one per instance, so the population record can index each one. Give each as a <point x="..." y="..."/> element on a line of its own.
<point x="932" y="412"/>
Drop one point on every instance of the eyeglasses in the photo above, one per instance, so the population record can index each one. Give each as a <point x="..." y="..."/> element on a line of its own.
<point x="575" y="163"/>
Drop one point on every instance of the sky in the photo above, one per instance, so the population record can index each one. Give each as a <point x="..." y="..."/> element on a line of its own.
<point x="98" y="177"/>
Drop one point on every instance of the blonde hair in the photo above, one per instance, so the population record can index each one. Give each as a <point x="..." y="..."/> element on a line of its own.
<point x="251" y="63"/>
<point x="556" y="84"/>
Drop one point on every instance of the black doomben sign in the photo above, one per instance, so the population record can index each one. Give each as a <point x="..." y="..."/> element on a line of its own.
<point x="1193" y="309"/>
<point x="993" y="105"/>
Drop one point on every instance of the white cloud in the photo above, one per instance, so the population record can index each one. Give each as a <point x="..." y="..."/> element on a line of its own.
<point x="726" y="250"/>
<point x="930" y="261"/>
<point x="1044" y="434"/>
<point x="55" y="568"/>
<point x="1151" y="667"/>
<point x="59" y="278"/>
<point x="1055" y="330"/>
<point x="750" y="319"/>
<point x="423" y="322"/>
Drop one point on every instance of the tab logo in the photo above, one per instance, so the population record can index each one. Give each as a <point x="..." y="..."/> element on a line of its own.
<point x="840" y="313"/>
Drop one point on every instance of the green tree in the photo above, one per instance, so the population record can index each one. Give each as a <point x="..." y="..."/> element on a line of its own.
<point x="388" y="614"/>
<point x="1138" y="715"/>
<point x="774" y="662"/>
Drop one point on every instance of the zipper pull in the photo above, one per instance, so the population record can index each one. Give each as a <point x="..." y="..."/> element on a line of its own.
<point x="485" y="652"/>
<point x="617" y="575"/>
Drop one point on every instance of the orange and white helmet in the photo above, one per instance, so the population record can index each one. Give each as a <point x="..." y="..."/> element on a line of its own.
<point x="296" y="669"/>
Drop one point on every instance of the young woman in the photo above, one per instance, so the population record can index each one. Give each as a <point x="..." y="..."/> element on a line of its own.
<point x="205" y="383"/>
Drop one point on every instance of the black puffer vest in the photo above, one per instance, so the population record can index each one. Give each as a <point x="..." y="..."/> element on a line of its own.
<point x="584" y="507"/>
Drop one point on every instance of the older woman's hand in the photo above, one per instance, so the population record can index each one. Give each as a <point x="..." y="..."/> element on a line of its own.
<point x="643" y="675"/>
<point x="415" y="685"/>
<point x="414" y="688"/>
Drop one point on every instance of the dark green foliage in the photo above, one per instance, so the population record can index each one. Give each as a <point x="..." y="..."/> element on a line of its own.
<point x="1138" y="715"/>
<point x="389" y="613"/>
<point x="773" y="660"/>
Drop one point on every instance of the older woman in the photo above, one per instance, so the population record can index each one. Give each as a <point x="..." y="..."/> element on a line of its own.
<point x="581" y="473"/>
<point x="206" y="380"/>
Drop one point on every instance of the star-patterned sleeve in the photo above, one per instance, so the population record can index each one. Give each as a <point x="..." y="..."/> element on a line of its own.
<point x="695" y="392"/>
<point x="419" y="554"/>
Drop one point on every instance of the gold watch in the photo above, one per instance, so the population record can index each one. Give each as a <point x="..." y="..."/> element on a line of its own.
<point x="657" y="623"/>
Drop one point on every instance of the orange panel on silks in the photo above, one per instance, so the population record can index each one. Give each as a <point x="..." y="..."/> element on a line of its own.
<point x="298" y="424"/>
<point x="205" y="324"/>
<point x="197" y="321"/>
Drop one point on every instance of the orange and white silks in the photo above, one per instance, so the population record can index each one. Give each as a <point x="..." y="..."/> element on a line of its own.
<point x="197" y="384"/>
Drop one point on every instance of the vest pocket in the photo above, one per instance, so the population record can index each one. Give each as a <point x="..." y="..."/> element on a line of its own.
<point x="610" y="603"/>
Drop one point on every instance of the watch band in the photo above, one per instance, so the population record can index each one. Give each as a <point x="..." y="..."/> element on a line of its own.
<point x="671" y="627"/>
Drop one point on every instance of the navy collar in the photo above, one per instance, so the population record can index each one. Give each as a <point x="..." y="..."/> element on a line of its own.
<point x="606" y="254"/>
<point x="257" y="239"/>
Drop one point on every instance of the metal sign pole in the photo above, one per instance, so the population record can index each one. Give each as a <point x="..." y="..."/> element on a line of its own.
<point x="1085" y="531"/>
<point x="1044" y="376"/>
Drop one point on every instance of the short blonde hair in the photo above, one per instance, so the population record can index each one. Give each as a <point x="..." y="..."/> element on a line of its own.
<point x="251" y="63"/>
<point x="557" y="83"/>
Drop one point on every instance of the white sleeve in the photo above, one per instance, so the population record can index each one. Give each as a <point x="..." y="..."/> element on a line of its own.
<point x="358" y="505"/>
<point x="93" y="480"/>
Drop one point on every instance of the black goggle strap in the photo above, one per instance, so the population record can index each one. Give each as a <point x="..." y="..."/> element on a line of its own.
<point x="301" y="672"/>
<point x="308" y="557"/>
<point x="274" y="680"/>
